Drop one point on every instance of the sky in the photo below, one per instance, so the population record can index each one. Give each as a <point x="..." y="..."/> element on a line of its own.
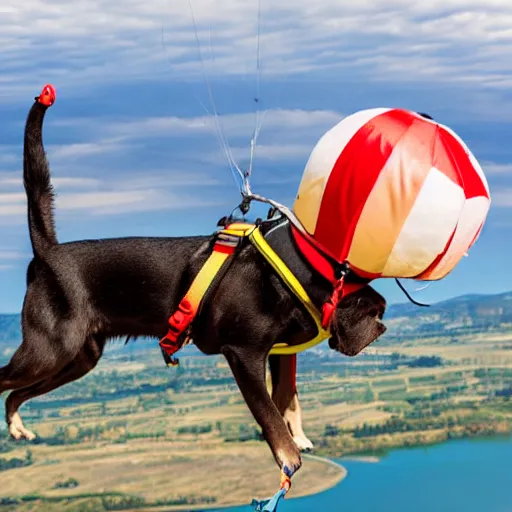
<point x="132" y="140"/>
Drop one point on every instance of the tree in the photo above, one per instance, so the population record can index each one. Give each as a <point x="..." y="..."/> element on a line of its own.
<point x="331" y="431"/>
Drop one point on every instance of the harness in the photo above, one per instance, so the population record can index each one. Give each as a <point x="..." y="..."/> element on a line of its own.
<point x="227" y="241"/>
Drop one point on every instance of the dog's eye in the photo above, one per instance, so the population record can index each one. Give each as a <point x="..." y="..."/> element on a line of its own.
<point x="373" y="312"/>
<point x="376" y="311"/>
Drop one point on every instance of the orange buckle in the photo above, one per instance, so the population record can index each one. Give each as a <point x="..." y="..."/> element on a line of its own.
<point x="286" y="482"/>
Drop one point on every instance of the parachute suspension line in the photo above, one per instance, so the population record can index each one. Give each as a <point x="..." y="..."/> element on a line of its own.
<point x="257" y="97"/>
<point x="220" y="134"/>
<point x="222" y="144"/>
<point x="406" y="293"/>
<point x="238" y="174"/>
<point x="164" y="46"/>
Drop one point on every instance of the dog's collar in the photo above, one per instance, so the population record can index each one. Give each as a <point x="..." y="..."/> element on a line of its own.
<point x="305" y="257"/>
<point x="331" y="270"/>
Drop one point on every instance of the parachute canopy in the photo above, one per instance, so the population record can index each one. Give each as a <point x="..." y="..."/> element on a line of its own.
<point x="393" y="194"/>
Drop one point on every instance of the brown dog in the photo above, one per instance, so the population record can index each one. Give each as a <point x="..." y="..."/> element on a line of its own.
<point x="80" y="294"/>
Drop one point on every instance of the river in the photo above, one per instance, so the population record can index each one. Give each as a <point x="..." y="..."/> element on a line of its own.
<point x="466" y="476"/>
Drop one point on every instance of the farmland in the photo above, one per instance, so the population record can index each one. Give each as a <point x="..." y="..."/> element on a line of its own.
<point x="136" y="435"/>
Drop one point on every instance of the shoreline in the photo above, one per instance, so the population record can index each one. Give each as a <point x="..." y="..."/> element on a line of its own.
<point x="363" y="458"/>
<point x="408" y="440"/>
<point x="330" y="483"/>
<point x="192" y="508"/>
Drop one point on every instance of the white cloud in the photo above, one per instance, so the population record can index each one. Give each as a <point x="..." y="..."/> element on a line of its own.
<point x="98" y="200"/>
<point x="114" y="202"/>
<point x="9" y="258"/>
<point x="80" y="150"/>
<point x="502" y="197"/>
<point x="290" y="121"/>
<point x="10" y="181"/>
<point x="286" y="135"/>
<point x="492" y="168"/>
<point x="11" y="255"/>
<point x="15" y="180"/>
<point x="137" y="192"/>
<point x="170" y="179"/>
<point x="11" y="210"/>
<point x="12" y="198"/>
<point x="98" y="41"/>
<point x="72" y="182"/>
<point x="144" y="200"/>
<point x="275" y="152"/>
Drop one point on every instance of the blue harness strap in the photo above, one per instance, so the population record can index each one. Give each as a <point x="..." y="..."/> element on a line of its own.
<point x="269" y="505"/>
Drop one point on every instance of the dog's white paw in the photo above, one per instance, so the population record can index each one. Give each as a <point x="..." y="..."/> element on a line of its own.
<point x="18" y="431"/>
<point x="303" y="443"/>
<point x="14" y="432"/>
<point x="28" y="434"/>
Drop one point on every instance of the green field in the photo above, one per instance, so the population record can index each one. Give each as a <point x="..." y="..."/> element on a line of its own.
<point x="136" y="435"/>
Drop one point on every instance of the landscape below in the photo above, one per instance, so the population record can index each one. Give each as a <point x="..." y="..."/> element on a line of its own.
<point x="134" y="435"/>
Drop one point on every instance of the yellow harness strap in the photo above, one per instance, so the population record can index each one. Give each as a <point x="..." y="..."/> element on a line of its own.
<point x="224" y="247"/>
<point x="293" y="284"/>
<point x="179" y="322"/>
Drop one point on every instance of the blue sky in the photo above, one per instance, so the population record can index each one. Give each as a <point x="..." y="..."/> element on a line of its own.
<point x="133" y="151"/>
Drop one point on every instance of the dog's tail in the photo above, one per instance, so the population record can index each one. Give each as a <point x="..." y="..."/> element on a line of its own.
<point x="36" y="176"/>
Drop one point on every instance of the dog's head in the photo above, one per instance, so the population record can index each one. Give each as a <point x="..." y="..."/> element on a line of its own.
<point x="357" y="321"/>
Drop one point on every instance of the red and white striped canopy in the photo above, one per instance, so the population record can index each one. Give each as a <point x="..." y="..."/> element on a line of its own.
<point x="394" y="194"/>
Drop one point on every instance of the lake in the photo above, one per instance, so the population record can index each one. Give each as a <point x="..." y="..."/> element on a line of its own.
<point x="469" y="476"/>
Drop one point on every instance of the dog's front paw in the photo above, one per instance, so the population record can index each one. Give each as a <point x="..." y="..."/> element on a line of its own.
<point x="290" y="460"/>
<point x="303" y="443"/>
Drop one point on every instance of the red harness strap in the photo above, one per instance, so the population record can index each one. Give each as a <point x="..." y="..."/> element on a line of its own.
<point x="225" y="245"/>
<point x="314" y="254"/>
<point x="318" y="259"/>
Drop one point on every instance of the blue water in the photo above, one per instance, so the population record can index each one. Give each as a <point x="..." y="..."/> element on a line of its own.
<point x="465" y="476"/>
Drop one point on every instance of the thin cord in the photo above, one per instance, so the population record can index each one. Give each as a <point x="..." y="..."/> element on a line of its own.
<point x="225" y="145"/>
<point x="257" y="123"/>
<point x="416" y="303"/>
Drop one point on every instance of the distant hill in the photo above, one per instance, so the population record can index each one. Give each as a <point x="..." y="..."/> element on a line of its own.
<point x="453" y="316"/>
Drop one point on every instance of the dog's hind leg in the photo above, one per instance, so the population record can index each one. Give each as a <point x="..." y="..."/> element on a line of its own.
<point x="33" y="361"/>
<point x="283" y="371"/>
<point x="30" y="364"/>
<point x="248" y="368"/>
<point x="46" y="349"/>
<point x="83" y="363"/>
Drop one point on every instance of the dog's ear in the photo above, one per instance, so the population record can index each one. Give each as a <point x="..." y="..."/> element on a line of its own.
<point x="358" y="321"/>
